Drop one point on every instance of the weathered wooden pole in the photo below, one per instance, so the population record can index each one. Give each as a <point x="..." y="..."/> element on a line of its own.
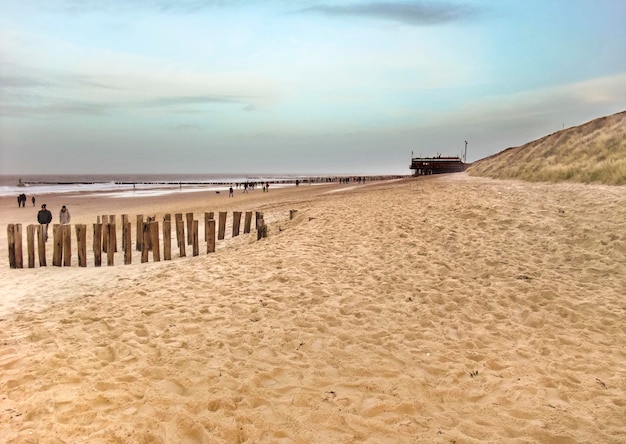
<point x="139" y="232"/>
<point x="97" y="245"/>
<point x="222" y="225"/>
<point x="110" y="228"/>
<point x="113" y="233"/>
<point x="105" y="233"/>
<point x="145" y="234"/>
<point x="30" y="244"/>
<point x="210" y="243"/>
<point x="11" y="240"/>
<point x="194" y="238"/>
<point x="261" y="230"/>
<point x="167" y="238"/>
<point x="258" y="215"/>
<point x="148" y="220"/>
<point x="189" y="227"/>
<point x="207" y="217"/>
<point x="124" y="222"/>
<point x="81" y="244"/>
<point x="128" y="242"/>
<point x="41" y="245"/>
<point x="11" y="234"/>
<point x="66" y="233"/>
<point x="247" y="222"/>
<point x="292" y="214"/>
<point x="154" y="240"/>
<point x="236" y="222"/>
<point x="57" y="245"/>
<point x="180" y="235"/>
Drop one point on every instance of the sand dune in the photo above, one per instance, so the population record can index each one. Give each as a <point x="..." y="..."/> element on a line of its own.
<point x="594" y="152"/>
<point x="436" y="310"/>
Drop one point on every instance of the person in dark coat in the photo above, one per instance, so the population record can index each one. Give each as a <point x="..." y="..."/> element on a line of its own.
<point x="44" y="217"/>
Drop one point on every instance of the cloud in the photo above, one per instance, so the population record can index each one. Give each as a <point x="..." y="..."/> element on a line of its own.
<point x="410" y="13"/>
<point x="193" y="100"/>
<point x="28" y="105"/>
<point x="54" y="108"/>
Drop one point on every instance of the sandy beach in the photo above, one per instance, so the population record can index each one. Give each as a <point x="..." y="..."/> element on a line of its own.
<point x="449" y="309"/>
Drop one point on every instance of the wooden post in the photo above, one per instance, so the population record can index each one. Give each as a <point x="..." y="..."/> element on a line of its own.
<point x="148" y="220"/>
<point x="128" y="242"/>
<point x="81" y="244"/>
<point x="207" y="217"/>
<point x="139" y="232"/>
<point x="19" y="260"/>
<point x="292" y="213"/>
<point x="145" y="234"/>
<point x="41" y="245"/>
<point x="154" y="240"/>
<point x="124" y="222"/>
<point x="194" y="238"/>
<point x="97" y="245"/>
<point x="180" y="235"/>
<point x="236" y="222"/>
<point x="57" y="245"/>
<point x="105" y="233"/>
<point x="113" y="233"/>
<point x="66" y="233"/>
<point x="167" y="238"/>
<point x="210" y="243"/>
<point x="261" y="230"/>
<point x="222" y="226"/>
<point x="30" y="245"/>
<point x="189" y="227"/>
<point x="247" y="222"/>
<point x="11" y="239"/>
<point x="259" y="215"/>
<point x="110" y="228"/>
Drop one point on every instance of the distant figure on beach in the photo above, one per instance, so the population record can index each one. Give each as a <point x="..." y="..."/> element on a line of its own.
<point x="21" y="200"/>
<point x="267" y="187"/>
<point x="33" y="201"/>
<point x="64" y="216"/>
<point x="44" y="217"/>
<point x="230" y="192"/>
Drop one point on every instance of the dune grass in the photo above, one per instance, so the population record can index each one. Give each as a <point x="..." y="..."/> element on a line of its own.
<point x="594" y="152"/>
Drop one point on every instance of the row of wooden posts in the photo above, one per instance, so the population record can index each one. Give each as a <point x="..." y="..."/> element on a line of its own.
<point x="105" y="238"/>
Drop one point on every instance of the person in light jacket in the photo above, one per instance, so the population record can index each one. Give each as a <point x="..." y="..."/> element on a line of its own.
<point x="64" y="215"/>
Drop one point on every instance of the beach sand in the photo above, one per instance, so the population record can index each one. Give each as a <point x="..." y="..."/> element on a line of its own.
<point x="449" y="309"/>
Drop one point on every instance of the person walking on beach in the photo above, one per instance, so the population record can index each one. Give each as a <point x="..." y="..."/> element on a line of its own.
<point x="64" y="216"/>
<point x="44" y="217"/>
<point x="33" y="201"/>
<point x="230" y="192"/>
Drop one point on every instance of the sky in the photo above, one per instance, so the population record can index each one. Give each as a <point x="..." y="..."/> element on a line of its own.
<point x="298" y="86"/>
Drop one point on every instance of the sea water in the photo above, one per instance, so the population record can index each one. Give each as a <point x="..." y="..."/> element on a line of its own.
<point x="132" y="185"/>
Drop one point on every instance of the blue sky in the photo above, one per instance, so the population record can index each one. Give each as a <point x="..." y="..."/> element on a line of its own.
<point x="342" y="87"/>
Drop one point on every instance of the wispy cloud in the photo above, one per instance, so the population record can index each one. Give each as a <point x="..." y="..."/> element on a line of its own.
<point x="25" y="105"/>
<point x="193" y="100"/>
<point x="410" y="13"/>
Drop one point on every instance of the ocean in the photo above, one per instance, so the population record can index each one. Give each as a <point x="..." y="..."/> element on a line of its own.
<point x="129" y="185"/>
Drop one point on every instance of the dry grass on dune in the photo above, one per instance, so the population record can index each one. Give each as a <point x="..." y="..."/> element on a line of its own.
<point x="594" y="152"/>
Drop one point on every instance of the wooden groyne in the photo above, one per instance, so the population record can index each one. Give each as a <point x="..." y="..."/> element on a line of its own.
<point x="153" y="239"/>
